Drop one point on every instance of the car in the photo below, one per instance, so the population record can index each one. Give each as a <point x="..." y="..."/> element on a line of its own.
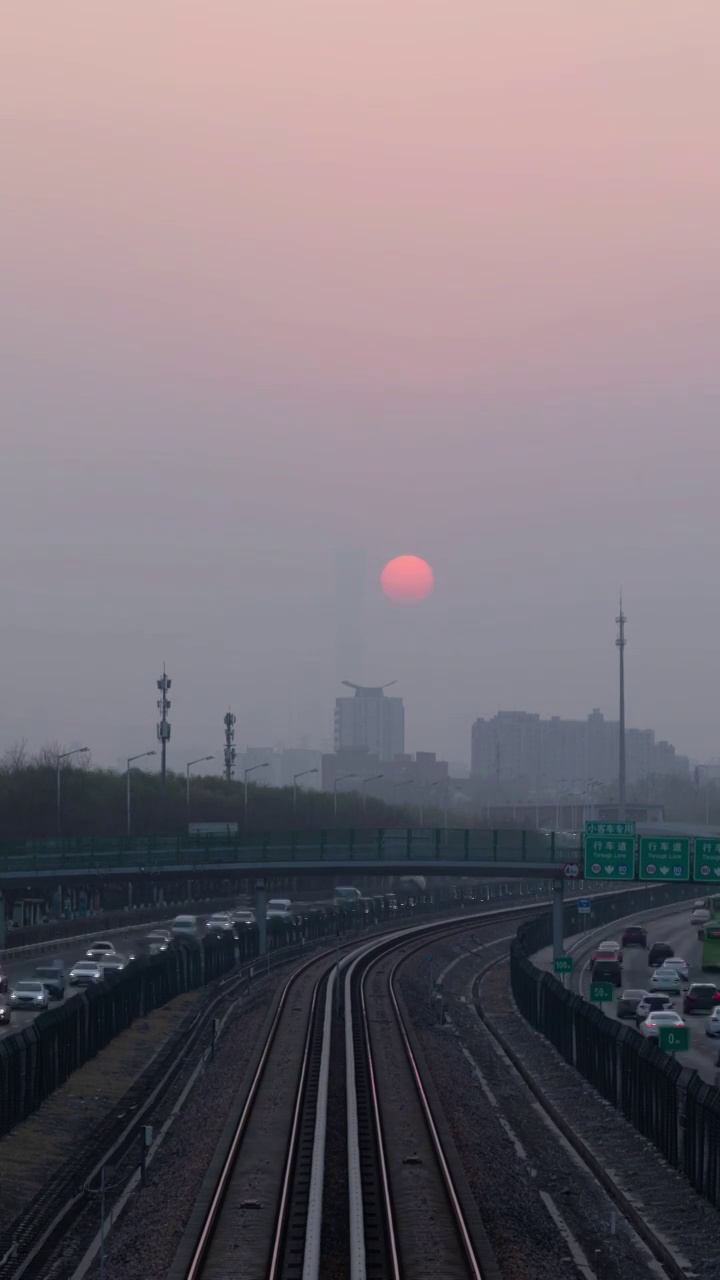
<point x="701" y="997"/>
<point x="654" y="1002"/>
<point x="220" y="922"/>
<point x="601" y="957"/>
<point x="184" y="927"/>
<point x="607" y="969"/>
<point x="628" y="1002"/>
<point x="243" y="917"/>
<point x="679" y="965"/>
<point x="650" y="1027"/>
<point x="4" y="984"/>
<point x="634" y="936"/>
<point x="5" y="1011"/>
<point x="610" y="945"/>
<point x="712" y="1026"/>
<point x="52" y="978"/>
<point x="157" y="941"/>
<point x="113" y="964"/>
<point x="98" y="949"/>
<point x="28" y="993"/>
<point x="280" y="909"/>
<point x="666" y="980"/>
<point x="85" y="973"/>
<point x="659" y="951"/>
<point x="700" y="915"/>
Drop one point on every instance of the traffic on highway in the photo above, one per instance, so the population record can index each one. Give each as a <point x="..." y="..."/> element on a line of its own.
<point x="659" y="973"/>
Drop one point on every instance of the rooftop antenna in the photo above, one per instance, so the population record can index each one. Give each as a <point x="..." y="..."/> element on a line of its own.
<point x="621" y="642"/>
<point x="230" y="754"/>
<point x="163" y="729"/>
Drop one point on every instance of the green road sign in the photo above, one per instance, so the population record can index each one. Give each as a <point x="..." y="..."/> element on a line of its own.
<point x="664" y="858"/>
<point x="674" y="1039"/>
<point x="601" y="992"/>
<point x="609" y="857"/>
<point x="563" y="964"/>
<point x="706" y="861"/>
<point x="610" y="829"/>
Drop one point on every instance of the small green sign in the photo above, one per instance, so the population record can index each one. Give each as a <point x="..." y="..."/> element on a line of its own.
<point x="563" y="964"/>
<point x="610" y="829"/>
<point x="674" y="1039"/>
<point x="601" y="992"/>
<point x="609" y="857"/>
<point x="706" y="861"/>
<point x="664" y="858"/>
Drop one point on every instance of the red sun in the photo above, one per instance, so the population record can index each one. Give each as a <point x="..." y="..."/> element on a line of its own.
<point x="407" y="578"/>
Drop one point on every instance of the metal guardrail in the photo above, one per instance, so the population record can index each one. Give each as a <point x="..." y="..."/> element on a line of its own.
<point x="475" y="846"/>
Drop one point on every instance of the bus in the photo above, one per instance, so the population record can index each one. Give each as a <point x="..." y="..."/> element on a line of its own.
<point x="711" y="935"/>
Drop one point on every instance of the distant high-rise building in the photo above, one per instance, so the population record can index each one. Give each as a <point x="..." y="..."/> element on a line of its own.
<point x="371" y="722"/>
<point x="519" y="747"/>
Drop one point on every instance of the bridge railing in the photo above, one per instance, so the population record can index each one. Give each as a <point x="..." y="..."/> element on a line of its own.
<point x="476" y="846"/>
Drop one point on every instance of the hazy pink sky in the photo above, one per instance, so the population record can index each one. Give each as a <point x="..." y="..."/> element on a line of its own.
<point x="284" y="276"/>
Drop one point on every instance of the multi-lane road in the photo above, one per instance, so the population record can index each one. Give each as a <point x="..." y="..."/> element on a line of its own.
<point x="674" y="928"/>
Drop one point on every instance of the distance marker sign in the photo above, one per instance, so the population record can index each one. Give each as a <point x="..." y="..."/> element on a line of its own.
<point x="664" y="859"/>
<point x="609" y="857"/>
<point x="706" y="863"/>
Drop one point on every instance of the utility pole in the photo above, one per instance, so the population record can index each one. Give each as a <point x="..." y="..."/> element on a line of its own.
<point x="163" y="729"/>
<point x="230" y="752"/>
<point x="621" y="642"/>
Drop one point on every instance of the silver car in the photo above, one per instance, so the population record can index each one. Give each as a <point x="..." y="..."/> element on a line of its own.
<point x="29" y="994"/>
<point x="85" y="973"/>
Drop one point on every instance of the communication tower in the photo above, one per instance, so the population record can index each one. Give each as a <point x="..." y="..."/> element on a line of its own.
<point x="230" y="752"/>
<point x="621" y="642"/>
<point x="163" y="729"/>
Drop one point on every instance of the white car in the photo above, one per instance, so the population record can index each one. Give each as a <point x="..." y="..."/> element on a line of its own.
<point x="712" y="1026"/>
<point x="243" y="917"/>
<point x="679" y="965"/>
<point x="28" y="994"/>
<point x="85" y="973"/>
<point x="651" y="1004"/>
<point x="700" y="915"/>
<point x="666" y="980"/>
<point x="280" y="909"/>
<point x="649" y="1028"/>
<point x="98" y="949"/>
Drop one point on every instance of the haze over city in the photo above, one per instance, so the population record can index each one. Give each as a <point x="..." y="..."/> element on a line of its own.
<point x="285" y="281"/>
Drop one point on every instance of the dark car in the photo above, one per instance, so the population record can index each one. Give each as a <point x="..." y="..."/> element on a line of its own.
<point x="608" y="970"/>
<point x="659" y="951"/>
<point x="701" y="997"/>
<point x="628" y="1002"/>
<point x="634" y="936"/>
<point x="52" y="978"/>
<point x="4" y="1012"/>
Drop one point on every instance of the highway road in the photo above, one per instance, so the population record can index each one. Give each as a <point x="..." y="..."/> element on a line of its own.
<point x="676" y="929"/>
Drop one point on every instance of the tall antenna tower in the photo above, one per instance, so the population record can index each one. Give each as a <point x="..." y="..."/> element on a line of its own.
<point x="230" y="752"/>
<point x="621" y="642"/>
<point x="163" y="729"/>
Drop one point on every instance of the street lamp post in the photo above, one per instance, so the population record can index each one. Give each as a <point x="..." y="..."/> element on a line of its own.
<point x="78" y="751"/>
<point x="302" y="774"/>
<point x="342" y="778"/>
<point x="130" y="760"/>
<point x="188" y="767"/>
<point x="253" y="767"/>
<point x="373" y="778"/>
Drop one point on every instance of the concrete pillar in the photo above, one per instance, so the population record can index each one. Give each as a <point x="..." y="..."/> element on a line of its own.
<point x="130" y="895"/>
<point x="2" y="921"/>
<point x="261" y="916"/>
<point x="557" y="917"/>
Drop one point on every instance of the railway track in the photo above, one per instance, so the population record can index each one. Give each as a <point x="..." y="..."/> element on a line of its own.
<point x="265" y="1201"/>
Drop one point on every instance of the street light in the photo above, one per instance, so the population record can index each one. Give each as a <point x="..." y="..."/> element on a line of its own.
<point x="342" y="778"/>
<point x="253" y="767"/>
<point x="78" y="751"/>
<point x="303" y="774"/>
<point x="373" y="778"/>
<point x="188" y="767"/>
<point x="130" y="760"/>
